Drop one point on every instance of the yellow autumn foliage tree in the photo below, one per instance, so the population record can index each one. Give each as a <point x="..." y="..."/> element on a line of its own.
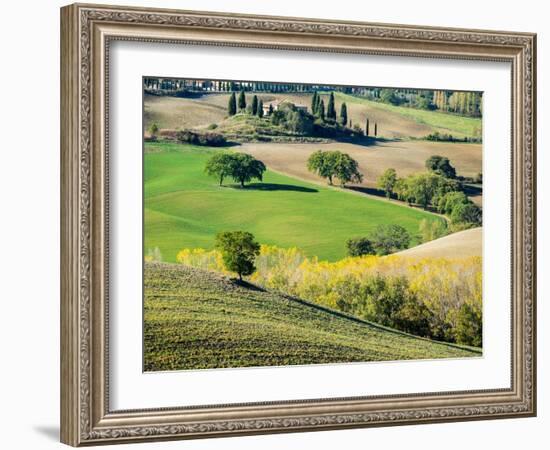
<point x="433" y="297"/>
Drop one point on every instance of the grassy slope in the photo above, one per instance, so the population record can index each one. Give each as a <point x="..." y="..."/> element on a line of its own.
<point x="452" y="123"/>
<point x="185" y="209"/>
<point x="199" y="320"/>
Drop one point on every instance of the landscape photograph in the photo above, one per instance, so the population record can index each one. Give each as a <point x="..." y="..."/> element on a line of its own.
<point x="294" y="224"/>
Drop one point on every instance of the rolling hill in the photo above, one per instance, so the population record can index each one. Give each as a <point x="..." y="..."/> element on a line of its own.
<point x="393" y="121"/>
<point x="457" y="245"/>
<point x="195" y="319"/>
<point x="184" y="208"/>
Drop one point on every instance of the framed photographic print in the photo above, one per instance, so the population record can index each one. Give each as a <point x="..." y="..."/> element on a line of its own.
<point x="278" y="224"/>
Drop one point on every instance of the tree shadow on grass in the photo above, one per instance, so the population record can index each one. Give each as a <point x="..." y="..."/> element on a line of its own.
<point x="274" y="187"/>
<point x="367" y="190"/>
<point x="247" y="285"/>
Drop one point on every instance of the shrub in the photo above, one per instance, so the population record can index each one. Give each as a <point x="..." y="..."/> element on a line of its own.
<point x="360" y="246"/>
<point x="441" y="166"/>
<point x="469" y="326"/>
<point x="201" y="138"/>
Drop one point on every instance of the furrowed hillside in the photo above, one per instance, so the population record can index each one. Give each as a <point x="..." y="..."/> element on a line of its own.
<point x="196" y="319"/>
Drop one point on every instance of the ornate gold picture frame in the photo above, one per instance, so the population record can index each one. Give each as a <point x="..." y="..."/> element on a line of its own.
<point x="87" y="31"/>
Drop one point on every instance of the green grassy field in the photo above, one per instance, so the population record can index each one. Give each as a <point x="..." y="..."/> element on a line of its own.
<point x="199" y="320"/>
<point x="459" y="126"/>
<point x="185" y="209"/>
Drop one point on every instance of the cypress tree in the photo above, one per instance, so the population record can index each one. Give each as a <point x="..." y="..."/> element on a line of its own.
<point x="344" y="114"/>
<point x="314" y="103"/>
<point x="321" y="110"/>
<point x="260" y="108"/>
<point x="254" y="105"/>
<point x="232" y="105"/>
<point x="375" y="129"/>
<point x="367" y="126"/>
<point x="242" y="101"/>
<point x="331" y="110"/>
<point x="270" y="109"/>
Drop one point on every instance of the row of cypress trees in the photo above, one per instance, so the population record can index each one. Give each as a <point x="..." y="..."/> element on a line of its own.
<point x="317" y="108"/>
<point x="256" y="107"/>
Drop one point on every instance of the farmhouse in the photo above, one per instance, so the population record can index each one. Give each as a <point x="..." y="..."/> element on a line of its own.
<point x="277" y="103"/>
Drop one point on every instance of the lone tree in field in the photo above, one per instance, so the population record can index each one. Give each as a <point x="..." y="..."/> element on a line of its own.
<point x="239" y="251"/>
<point x="323" y="164"/>
<point x="245" y="167"/>
<point x="332" y="164"/>
<point x="344" y="114"/>
<point x="360" y="246"/>
<point x="346" y="169"/>
<point x="441" y="166"/>
<point x="254" y="105"/>
<point x="331" y="109"/>
<point x="387" y="181"/>
<point x="242" y="101"/>
<point x="232" y="105"/>
<point x="388" y="239"/>
<point x="220" y="165"/>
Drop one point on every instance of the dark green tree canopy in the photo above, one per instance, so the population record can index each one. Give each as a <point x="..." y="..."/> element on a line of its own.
<point x="321" y="110"/>
<point x="239" y="251"/>
<point x="232" y="105"/>
<point x="331" y="109"/>
<point x="330" y="164"/>
<point x="360" y="246"/>
<point x="245" y="167"/>
<point x="242" y="101"/>
<point x="260" y="108"/>
<point x="441" y="165"/>
<point x="254" y="105"/>
<point x="391" y="238"/>
<point x="242" y="167"/>
<point x="346" y="169"/>
<point x="220" y="165"/>
<point x="344" y="114"/>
